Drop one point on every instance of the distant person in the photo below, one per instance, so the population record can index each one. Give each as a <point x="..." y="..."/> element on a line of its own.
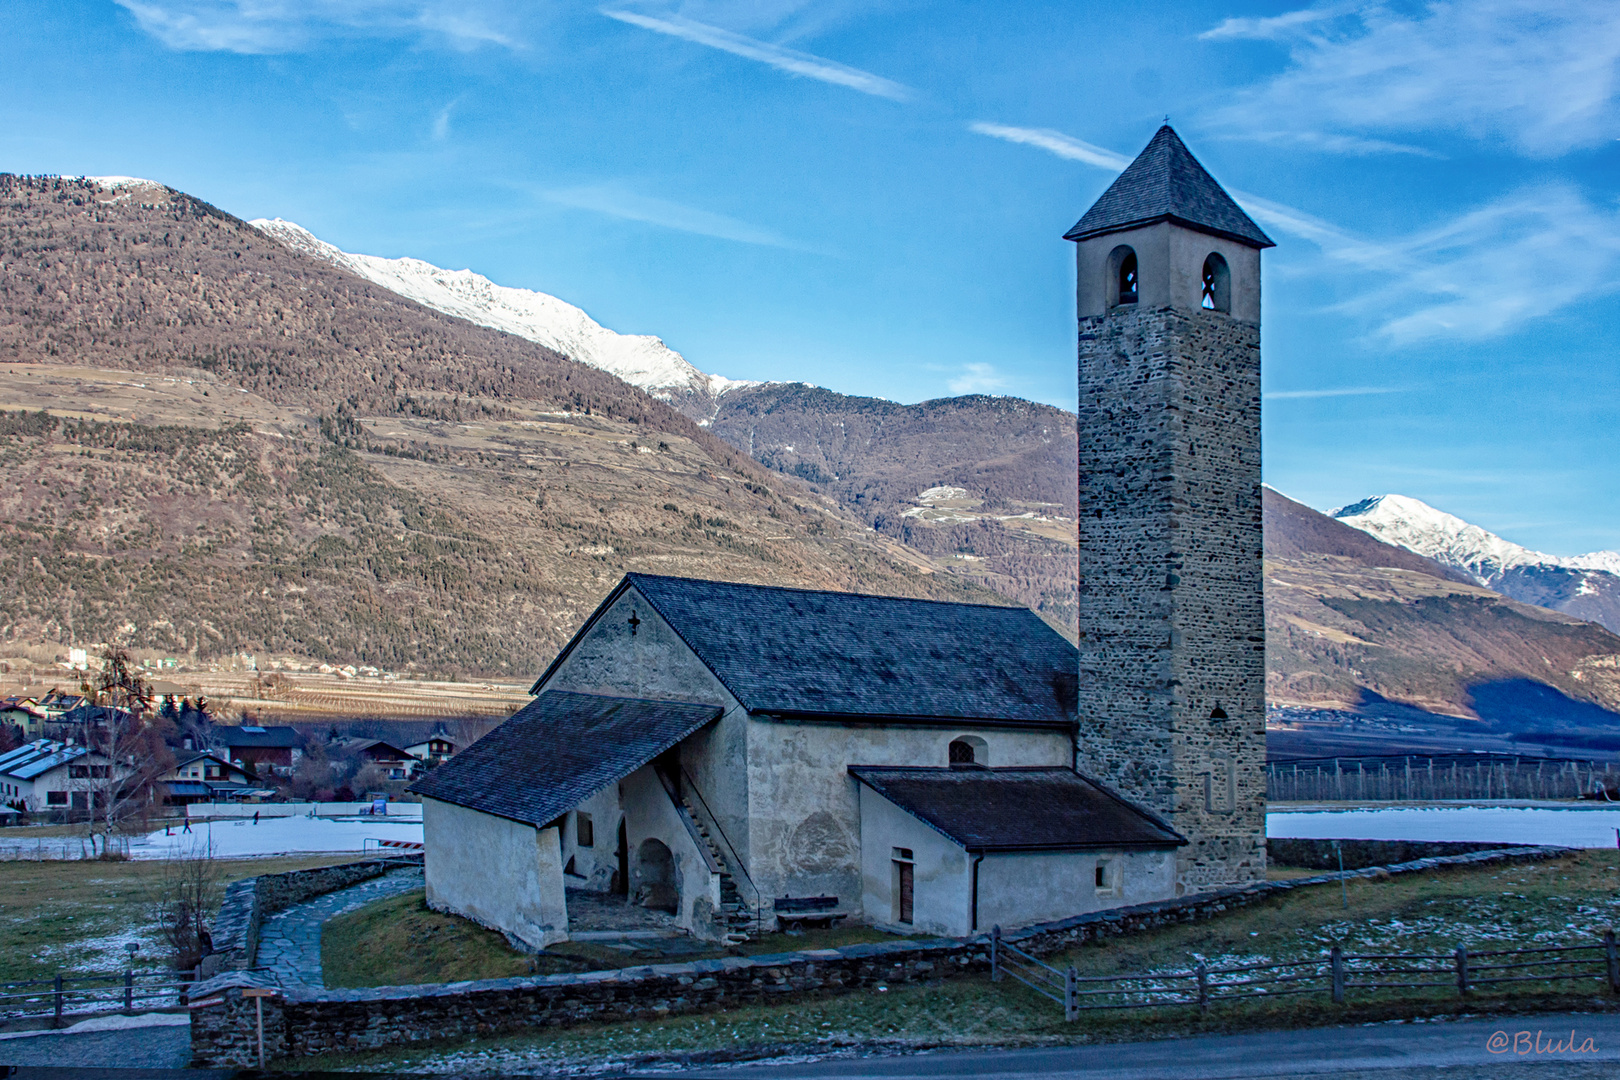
<point x="255" y="817"/>
<point x="188" y="826"/>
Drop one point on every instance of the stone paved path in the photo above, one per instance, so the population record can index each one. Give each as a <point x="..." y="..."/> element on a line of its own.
<point x="290" y="941"/>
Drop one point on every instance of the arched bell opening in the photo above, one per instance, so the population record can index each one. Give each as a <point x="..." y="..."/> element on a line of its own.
<point x="1217" y="285"/>
<point x="1124" y="282"/>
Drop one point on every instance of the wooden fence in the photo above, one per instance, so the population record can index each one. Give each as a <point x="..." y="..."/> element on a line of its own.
<point x="1419" y="777"/>
<point x="127" y="991"/>
<point x="1336" y="975"/>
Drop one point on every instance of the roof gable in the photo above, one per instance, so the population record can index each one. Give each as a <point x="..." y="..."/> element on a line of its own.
<point x="558" y="751"/>
<point x="1036" y="809"/>
<point x="1166" y="183"/>
<point x="808" y="653"/>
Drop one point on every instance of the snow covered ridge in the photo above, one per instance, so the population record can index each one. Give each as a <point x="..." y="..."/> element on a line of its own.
<point x="1417" y="526"/>
<point x="638" y="359"/>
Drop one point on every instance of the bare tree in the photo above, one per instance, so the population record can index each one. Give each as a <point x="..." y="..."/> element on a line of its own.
<point x="128" y="752"/>
<point x="188" y="891"/>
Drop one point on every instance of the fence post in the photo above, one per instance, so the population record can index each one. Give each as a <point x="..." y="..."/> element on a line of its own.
<point x="1613" y="959"/>
<point x="58" y="1020"/>
<point x="129" y="990"/>
<point x="1462" y="970"/>
<point x="1203" y="986"/>
<point x="1338" y="975"/>
<point x="995" y="953"/>
<point x="1071" y="995"/>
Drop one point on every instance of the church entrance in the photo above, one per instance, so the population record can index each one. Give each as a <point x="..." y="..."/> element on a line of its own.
<point x="655" y="877"/>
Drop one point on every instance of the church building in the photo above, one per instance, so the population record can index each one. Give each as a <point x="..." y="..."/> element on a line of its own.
<point x="746" y="757"/>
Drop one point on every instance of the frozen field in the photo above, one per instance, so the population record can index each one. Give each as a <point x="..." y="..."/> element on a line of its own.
<point x="1594" y="828"/>
<point x="276" y="836"/>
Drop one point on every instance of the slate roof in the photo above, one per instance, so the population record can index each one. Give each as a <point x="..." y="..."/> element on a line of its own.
<point x="1166" y="183"/>
<point x="805" y="653"/>
<point x="558" y="751"/>
<point x="1050" y="809"/>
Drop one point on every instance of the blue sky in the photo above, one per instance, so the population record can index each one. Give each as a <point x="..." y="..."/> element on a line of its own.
<point x="870" y="196"/>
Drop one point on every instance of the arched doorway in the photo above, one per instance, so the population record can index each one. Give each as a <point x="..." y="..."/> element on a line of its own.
<point x="656" y="886"/>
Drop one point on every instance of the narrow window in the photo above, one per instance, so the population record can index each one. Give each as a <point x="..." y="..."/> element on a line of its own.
<point x="584" y="832"/>
<point x="1106" y="877"/>
<point x="1217" y="289"/>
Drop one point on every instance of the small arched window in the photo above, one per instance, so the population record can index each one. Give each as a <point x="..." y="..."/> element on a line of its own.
<point x="967" y="752"/>
<point x="1217" y="289"/>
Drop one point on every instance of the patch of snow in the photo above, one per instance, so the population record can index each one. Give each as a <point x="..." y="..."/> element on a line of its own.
<point x="107" y="1023"/>
<point x="941" y="494"/>
<point x="116" y="183"/>
<point x="275" y="836"/>
<point x="1415" y="525"/>
<point x="639" y="359"/>
<point x="1480" y="824"/>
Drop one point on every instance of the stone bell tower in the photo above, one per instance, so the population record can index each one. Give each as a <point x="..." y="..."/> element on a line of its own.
<point x="1172" y="623"/>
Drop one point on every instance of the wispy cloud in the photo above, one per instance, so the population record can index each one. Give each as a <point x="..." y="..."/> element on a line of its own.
<point x="618" y="201"/>
<point x="977" y="379"/>
<point x="1055" y="142"/>
<point x="1538" y="75"/>
<point x="441" y="121"/>
<point x="1342" y="391"/>
<point x="275" y="26"/>
<point x="783" y="59"/>
<point x="1482" y="274"/>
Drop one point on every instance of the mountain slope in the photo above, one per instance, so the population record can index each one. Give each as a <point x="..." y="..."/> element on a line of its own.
<point x="987" y="484"/>
<point x="230" y="446"/>
<point x="1586" y="586"/>
<point x="638" y="359"/>
<point x="1347" y="615"/>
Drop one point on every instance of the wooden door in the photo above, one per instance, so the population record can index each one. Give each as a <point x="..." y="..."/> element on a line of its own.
<point x="905" y="870"/>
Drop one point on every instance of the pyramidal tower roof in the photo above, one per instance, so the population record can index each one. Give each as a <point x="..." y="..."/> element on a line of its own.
<point x="1166" y="183"/>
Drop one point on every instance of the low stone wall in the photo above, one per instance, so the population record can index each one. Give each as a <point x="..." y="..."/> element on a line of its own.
<point x="305" y="1022"/>
<point x="250" y="901"/>
<point x="1359" y="854"/>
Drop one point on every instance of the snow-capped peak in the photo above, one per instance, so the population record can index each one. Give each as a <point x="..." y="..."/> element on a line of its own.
<point x="638" y="359"/>
<point x="1451" y="541"/>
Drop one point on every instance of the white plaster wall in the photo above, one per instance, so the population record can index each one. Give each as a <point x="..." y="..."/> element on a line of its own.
<point x="1017" y="890"/>
<point x="649" y="814"/>
<point x="655" y="663"/>
<point x="594" y="865"/>
<point x="1170" y="268"/>
<point x="806" y="828"/>
<point x="940" y="894"/>
<point x="499" y="873"/>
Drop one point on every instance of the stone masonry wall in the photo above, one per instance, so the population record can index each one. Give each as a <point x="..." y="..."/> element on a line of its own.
<point x="1172" y="625"/>
<point x="249" y="902"/>
<point x="306" y="1022"/>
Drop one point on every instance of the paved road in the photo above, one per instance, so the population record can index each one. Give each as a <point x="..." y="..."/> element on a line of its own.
<point x="290" y="940"/>
<point x="141" y="1048"/>
<point x="1438" y="1049"/>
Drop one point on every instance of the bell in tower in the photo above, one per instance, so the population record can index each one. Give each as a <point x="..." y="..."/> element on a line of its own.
<point x="1172" y="622"/>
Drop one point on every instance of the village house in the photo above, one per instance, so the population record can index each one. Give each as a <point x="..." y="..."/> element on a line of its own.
<point x="390" y="760"/>
<point x="50" y="775"/>
<point x="23" y="711"/>
<point x="273" y="750"/>
<point x="743" y="755"/>
<point x="434" y="747"/>
<point x="208" y="777"/>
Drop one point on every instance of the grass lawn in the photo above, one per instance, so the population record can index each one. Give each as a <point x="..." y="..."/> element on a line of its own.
<point x="78" y="916"/>
<point x="1560" y="901"/>
<point x="401" y="941"/>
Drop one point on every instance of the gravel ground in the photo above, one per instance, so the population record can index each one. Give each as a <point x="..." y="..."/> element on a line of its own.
<point x="139" y="1048"/>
